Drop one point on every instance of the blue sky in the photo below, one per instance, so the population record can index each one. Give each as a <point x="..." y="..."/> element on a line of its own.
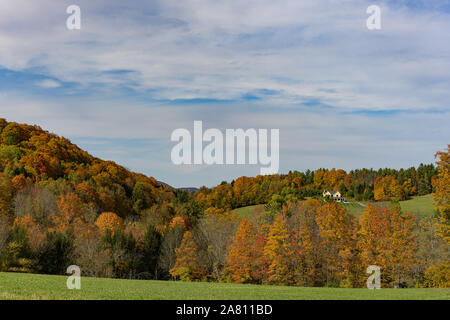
<point x="342" y="96"/>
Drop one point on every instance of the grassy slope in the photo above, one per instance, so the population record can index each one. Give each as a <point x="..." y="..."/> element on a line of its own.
<point x="30" y="286"/>
<point x="354" y="208"/>
<point x="420" y="205"/>
<point x="245" y="211"/>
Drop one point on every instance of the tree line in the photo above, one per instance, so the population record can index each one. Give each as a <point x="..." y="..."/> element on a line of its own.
<point x="363" y="184"/>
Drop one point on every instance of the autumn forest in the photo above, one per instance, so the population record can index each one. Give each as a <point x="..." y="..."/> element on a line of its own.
<point x="60" y="206"/>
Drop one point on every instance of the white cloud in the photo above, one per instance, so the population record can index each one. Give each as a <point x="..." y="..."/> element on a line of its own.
<point x="48" y="84"/>
<point x="138" y="135"/>
<point x="216" y="49"/>
<point x="302" y="50"/>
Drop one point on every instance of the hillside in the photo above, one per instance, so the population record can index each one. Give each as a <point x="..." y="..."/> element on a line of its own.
<point x="32" y="156"/>
<point x="421" y="206"/>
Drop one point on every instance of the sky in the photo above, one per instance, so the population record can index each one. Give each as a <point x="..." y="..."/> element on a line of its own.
<point x="342" y="96"/>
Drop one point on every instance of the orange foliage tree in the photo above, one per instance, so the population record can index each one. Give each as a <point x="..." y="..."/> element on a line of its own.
<point x="307" y="241"/>
<point x="6" y="195"/>
<point x="70" y="212"/>
<point x="338" y="232"/>
<point x="177" y="221"/>
<point x="386" y="239"/>
<point x="387" y="188"/>
<point x="19" y="182"/>
<point x="246" y="261"/>
<point x="329" y="180"/>
<point x="35" y="233"/>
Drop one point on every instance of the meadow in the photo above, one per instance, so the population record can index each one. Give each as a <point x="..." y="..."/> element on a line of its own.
<point x="18" y="286"/>
<point x="420" y="206"/>
<point x="244" y="212"/>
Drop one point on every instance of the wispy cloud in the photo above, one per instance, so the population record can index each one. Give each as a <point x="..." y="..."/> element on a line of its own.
<point x="137" y="70"/>
<point x="48" y="84"/>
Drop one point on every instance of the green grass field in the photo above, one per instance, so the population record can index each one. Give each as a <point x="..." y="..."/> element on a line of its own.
<point x="15" y="286"/>
<point x="244" y="212"/>
<point x="421" y="206"/>
<point x="354" y="208"/>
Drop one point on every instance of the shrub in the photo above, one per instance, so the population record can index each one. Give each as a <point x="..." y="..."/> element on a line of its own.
<point x="57" y="253"/>
<point x="438" y="276"/>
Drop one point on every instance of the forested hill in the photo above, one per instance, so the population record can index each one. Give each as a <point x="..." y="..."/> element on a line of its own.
<point x="35" y="165"/>
<point x="30" y="156"/>
<point x="360" y="185"/>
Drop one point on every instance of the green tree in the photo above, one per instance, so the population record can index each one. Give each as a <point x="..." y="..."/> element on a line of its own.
<point x="151" y="251"/>
<point x="57" y="253"/>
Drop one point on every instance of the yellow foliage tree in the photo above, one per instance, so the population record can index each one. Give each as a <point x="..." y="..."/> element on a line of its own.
<point x="245" y="260"/>
<point x="35" y="233"/>
<point x="6" y="193"/>
<point x="109" y="221"/>
<point x="70" y="212"/>
<point x="306" y="235"/>
<point x="187" y="267"/>
<point x="177" y="221"/>
<point x="279" y="250"/>
<point x="386" y="239"/>
<point x="214" y="211"/>
<point x="338" y="231"/>
<point x="438" y="276"/>
<point x="442" y="193"/>
<point x="388" y="188"/>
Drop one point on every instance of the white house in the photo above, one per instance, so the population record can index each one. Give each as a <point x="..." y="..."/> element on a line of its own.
<point x="336" y="195"/>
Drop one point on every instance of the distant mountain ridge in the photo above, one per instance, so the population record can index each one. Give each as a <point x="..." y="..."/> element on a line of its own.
<point x="189" y="189"/>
